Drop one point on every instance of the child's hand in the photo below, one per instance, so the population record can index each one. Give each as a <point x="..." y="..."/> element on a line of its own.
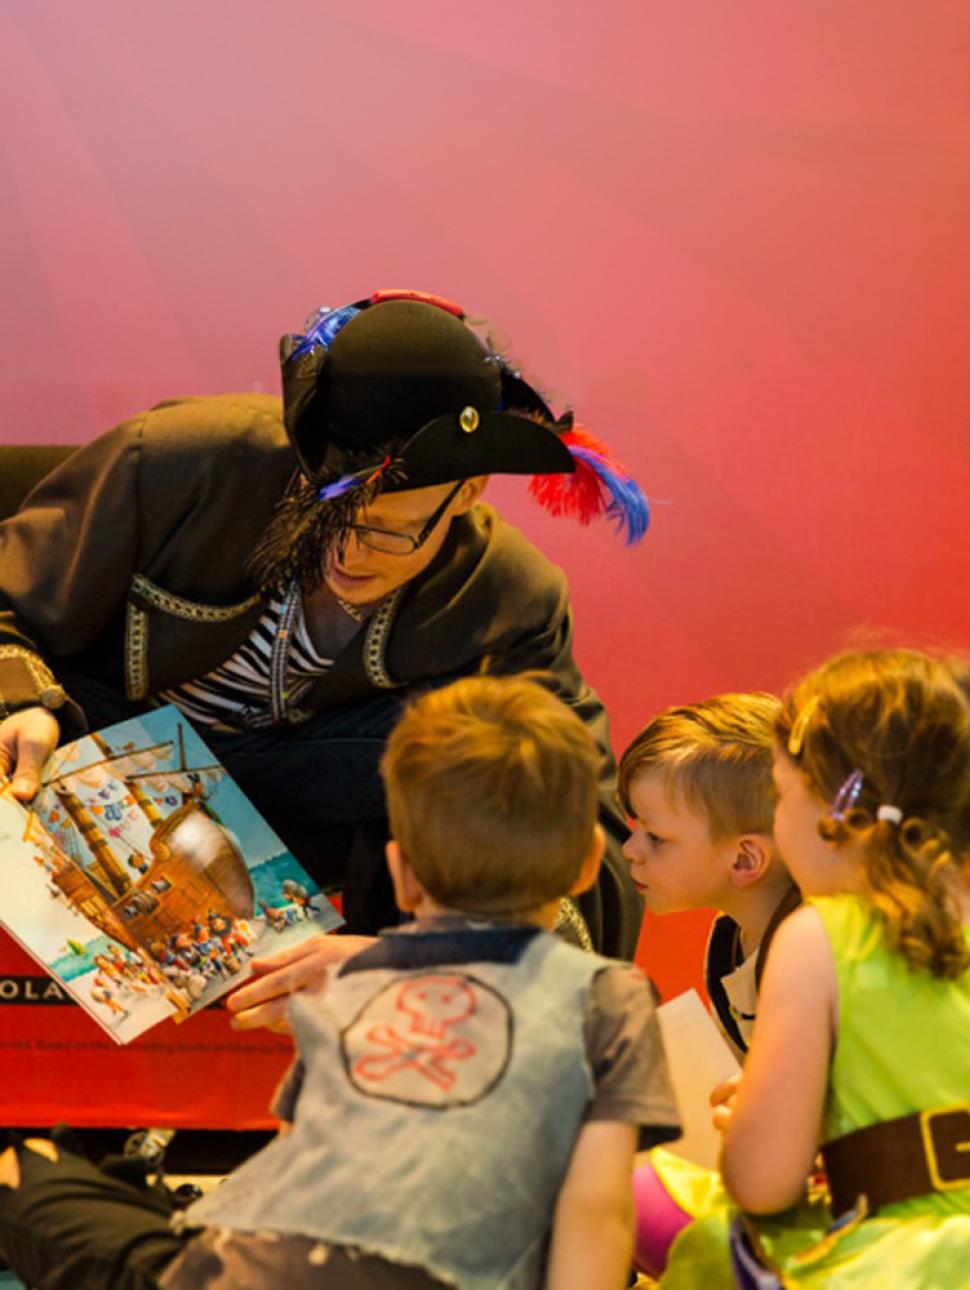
<point x="722" y="1099"/>
<point x="263" y="1000"/>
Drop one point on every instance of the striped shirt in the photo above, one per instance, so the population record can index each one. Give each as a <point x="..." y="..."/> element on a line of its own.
<point x="236" y="695"/>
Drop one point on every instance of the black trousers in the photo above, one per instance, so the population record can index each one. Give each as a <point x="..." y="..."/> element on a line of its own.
<point x="71" y="1225"/>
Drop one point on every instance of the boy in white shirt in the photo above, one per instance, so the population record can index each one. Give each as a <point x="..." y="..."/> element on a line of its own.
<point x="696" y="781"/>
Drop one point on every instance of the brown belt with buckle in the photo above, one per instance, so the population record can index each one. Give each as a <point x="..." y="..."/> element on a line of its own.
<point x="898" y="1159"/>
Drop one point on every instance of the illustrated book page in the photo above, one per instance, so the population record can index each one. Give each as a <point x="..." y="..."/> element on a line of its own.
<point x="143" y="880"/>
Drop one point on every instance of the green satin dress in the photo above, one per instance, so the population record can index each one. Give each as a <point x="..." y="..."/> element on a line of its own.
<point x="903" y="1046"/>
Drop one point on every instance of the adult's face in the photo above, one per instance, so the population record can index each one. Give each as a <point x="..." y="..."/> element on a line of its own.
<point x="360" y="575"/>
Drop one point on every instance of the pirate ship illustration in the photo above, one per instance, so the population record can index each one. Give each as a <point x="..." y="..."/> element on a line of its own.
<point x="133" y="845"/>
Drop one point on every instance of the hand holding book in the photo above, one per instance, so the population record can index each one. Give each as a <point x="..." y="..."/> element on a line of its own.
<point x="141" y="878"/>
<point x="27" y="739"/>
<point x="264" y="999"/>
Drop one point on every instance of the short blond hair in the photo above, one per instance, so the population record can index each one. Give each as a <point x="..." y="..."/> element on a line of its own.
<point x="716" y="756"/>
<point x="492" y="794"/>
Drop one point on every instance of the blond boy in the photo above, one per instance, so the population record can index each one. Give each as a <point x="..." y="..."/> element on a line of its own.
<point x="696" y="782"/>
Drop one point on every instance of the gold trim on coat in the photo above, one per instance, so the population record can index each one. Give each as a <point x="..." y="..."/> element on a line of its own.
<point x="569" y="918"/>
<point x="49" y="693"/>
<point x="136" y="652"/>
<point x="137" y="680"/>
<point x="193" y="610"/>
<point x="375" y="643"/>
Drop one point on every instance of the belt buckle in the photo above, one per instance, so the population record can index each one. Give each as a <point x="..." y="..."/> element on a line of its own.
<point x="946" y="1154"/>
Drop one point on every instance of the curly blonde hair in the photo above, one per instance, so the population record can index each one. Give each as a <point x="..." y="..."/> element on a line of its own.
<point x="902" y="718"/>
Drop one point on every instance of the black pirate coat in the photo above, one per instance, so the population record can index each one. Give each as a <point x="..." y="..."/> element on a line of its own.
<point x="129" y="563"/>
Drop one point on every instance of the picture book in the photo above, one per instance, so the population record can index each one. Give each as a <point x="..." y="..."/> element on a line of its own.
<point x="143" y="880"/>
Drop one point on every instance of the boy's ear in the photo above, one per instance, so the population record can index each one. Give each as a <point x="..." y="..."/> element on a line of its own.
<point x="752" y="857"/>
<point x="591" y="865"/>
<point x="408" y="892"/>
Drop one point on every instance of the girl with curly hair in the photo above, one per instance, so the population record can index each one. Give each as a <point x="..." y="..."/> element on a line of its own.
<point x="864" y="1012"/>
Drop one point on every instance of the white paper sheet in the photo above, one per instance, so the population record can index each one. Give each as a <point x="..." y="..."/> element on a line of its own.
<point x="698" y="1058"/>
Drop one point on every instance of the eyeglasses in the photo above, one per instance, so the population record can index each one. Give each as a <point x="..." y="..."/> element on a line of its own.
<point x="391" y="542"/>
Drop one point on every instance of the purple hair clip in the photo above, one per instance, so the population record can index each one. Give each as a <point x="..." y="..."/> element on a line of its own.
<point x="847" y="796"/>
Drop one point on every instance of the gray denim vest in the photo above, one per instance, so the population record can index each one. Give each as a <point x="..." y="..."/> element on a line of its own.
<point x="445" y="1082"/>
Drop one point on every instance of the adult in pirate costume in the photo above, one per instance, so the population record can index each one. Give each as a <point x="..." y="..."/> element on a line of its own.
<point x="288" y="581"/>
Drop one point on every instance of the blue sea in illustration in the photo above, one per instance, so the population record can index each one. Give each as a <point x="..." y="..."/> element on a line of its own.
<point x="269" y="876"/>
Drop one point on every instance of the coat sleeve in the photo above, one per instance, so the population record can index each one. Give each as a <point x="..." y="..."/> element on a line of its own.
<point x="66" y="560"/>
<point x="613" y="909"/>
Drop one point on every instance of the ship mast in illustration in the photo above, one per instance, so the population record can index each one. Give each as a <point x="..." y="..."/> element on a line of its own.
<point x="186" y="868"/>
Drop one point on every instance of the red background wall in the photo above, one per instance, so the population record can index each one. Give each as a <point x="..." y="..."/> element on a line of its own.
<point x="736" y="237"/>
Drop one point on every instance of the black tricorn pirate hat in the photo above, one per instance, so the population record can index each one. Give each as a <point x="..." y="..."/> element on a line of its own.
<point x="399" y="386"/>
<point x="396" y="392"/>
